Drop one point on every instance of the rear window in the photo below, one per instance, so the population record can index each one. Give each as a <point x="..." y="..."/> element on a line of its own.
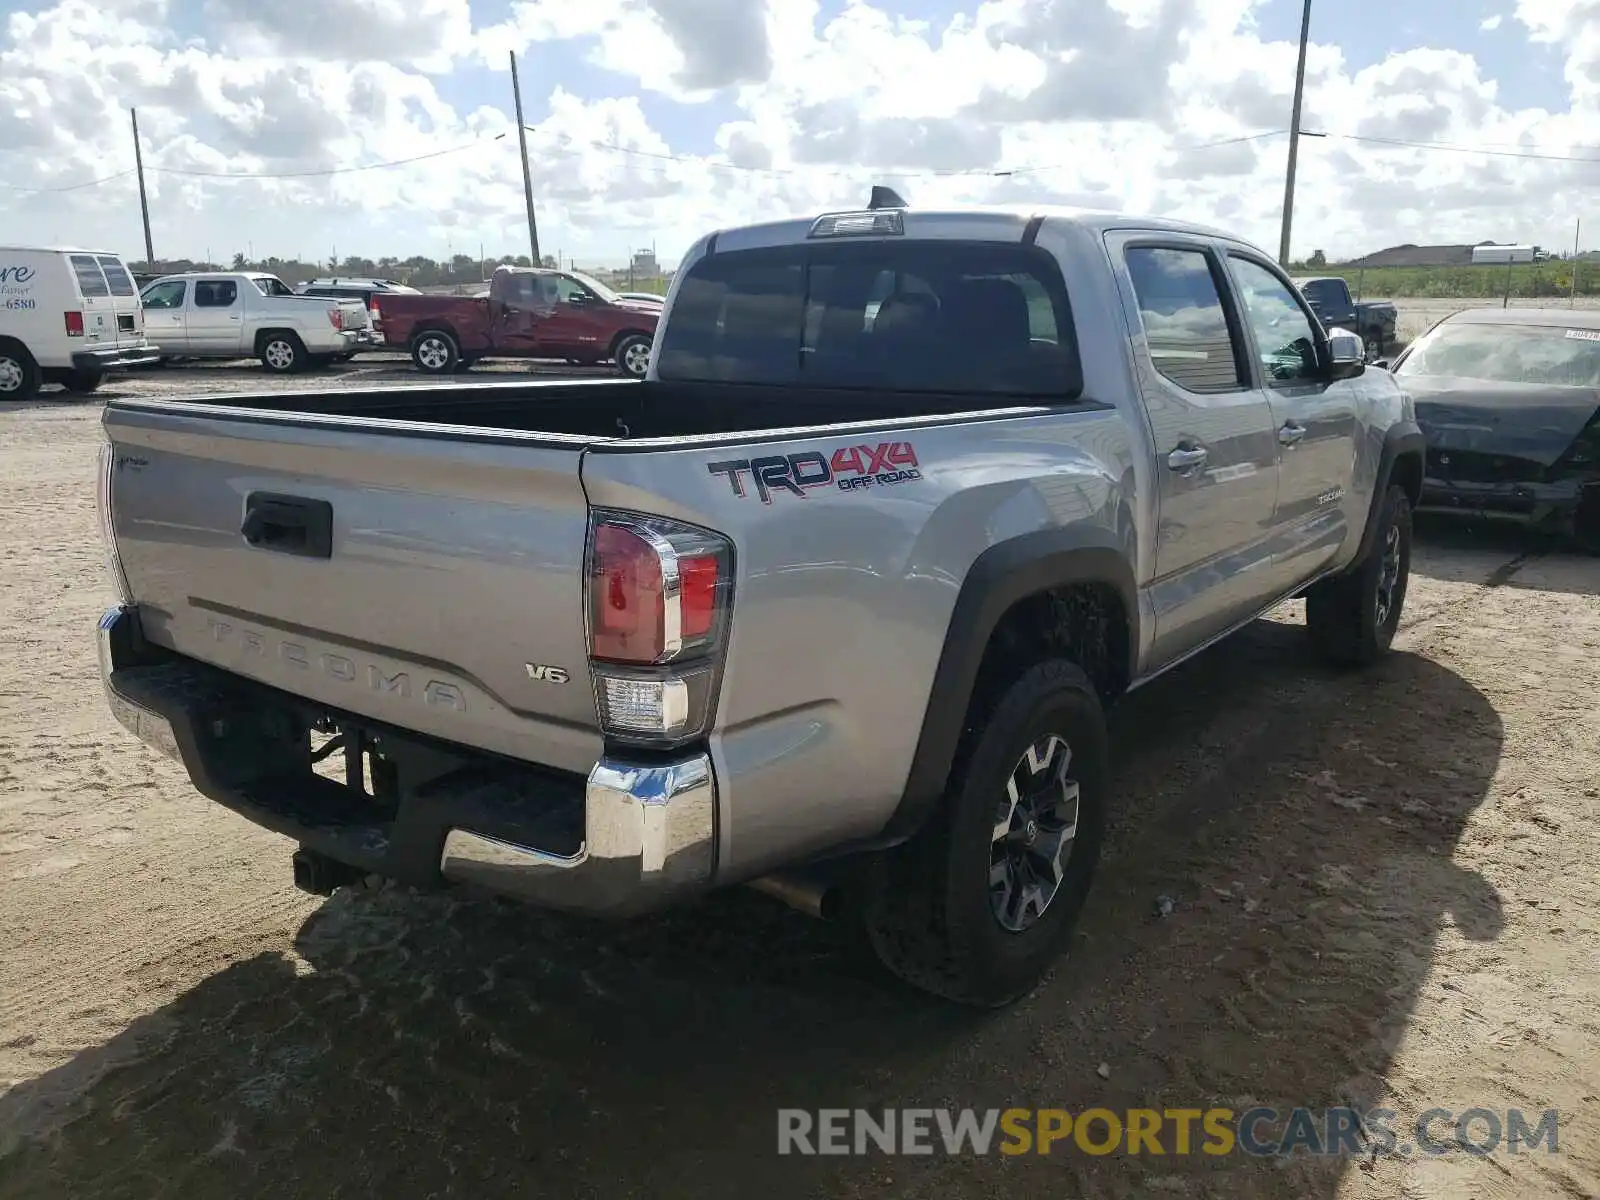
<point x="91" y="282"/>
<point x="117" y="276"/>
<point x="1508" y="354"/>
<point x="1322" y="291"/>
<point x="929" y="316"/>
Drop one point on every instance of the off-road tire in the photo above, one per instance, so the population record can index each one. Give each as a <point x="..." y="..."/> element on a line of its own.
<point x="925" y="905"/>
<point x="434" y="352"/>
<point x="20" y="377"/>
<point x="1342" y="613"/>
<point x="283" y="354"/>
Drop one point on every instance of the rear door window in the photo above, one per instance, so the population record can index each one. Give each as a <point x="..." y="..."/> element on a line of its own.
<point x="117" y="277"/>
<point x="1185" y="325"/>
<point x="215" y="293"/>
<point x="983" y="318"/>
<point x="91" y="281"/>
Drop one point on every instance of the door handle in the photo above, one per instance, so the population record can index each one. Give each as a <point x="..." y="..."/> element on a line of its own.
<point x="1186" y="458"/>
<point x="288" y="525"/>
<point x="1291" y="433"/>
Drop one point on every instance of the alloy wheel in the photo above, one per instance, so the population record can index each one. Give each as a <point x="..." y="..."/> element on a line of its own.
<point x="1034" y="830"/>
<point x="1388" y="576"/>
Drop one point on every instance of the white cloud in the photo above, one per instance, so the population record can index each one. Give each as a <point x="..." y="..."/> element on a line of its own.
<point x="1490" y="24"/>
<point x="1140" y="104"/>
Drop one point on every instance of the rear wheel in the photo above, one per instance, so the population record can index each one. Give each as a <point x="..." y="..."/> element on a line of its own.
<point x="1353" y="617"/>
<point x="283" y="353"/>
<point x="633" y="355"/>
<point x="979" y="904"/>
<point x="19" y="374"/>
<point x="435" y="353"/>
<point x="82" y="382"/>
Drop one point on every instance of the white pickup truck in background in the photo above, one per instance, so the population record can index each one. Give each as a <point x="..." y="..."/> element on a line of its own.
<point x="247" y="314"/>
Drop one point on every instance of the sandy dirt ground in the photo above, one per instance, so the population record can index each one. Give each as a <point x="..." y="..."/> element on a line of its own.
<point x="1383" y="887"/>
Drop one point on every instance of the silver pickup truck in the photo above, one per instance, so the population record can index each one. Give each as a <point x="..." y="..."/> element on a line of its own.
<point x="250" y="314"/>
<point x="833" y="602"/>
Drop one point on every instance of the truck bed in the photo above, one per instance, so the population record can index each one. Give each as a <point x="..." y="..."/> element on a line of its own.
<point x="610" y="408"/>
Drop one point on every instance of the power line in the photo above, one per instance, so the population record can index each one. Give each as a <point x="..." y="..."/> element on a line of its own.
<point x="856" y="172"/>
<point x="1455" y="148"/>
<point x="71" y="187"/>
<point x="321" y="173"/>
<point x="377" y="166"/>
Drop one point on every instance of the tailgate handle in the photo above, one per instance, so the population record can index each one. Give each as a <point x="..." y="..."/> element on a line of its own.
<point x="288" y="524"/>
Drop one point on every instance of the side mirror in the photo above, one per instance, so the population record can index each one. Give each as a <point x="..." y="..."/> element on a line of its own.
<point x="1382" y="364"/>
<point x="1347" y="355"/>
<point x="577" y="299"/>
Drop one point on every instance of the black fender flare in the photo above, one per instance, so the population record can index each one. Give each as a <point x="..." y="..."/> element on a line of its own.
<point x="1402" y="440"/>
<point x="1002" y="575"/>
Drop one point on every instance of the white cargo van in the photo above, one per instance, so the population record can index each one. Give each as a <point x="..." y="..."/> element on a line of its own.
<point x="67" y="317"/>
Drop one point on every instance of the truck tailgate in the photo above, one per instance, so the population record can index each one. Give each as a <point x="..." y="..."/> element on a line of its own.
<point x="410" y="577"/>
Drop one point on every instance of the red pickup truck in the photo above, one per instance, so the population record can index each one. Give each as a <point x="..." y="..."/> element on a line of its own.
<point x="526" y="313"/>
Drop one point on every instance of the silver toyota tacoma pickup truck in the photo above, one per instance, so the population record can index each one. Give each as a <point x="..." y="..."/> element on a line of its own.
<point x="832" y="602"/>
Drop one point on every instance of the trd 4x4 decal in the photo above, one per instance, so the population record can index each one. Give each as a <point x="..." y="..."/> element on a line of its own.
<point x="849" y="468"/>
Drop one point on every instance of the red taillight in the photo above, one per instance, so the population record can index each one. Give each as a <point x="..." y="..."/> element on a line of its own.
<point x="74" y="324"/>
<point x="336" y="318"/>
<point x="627" y="609"/>
<point x="659" y="596"/>
<point x="698" y="577"/>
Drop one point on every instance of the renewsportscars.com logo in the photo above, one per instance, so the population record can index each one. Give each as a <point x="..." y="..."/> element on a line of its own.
<point x="1260" y="1132"/>
<point x="849" y="468"/>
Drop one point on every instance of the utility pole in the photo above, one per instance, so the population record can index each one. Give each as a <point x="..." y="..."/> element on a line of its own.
<point x="1294" y="138"/>
<point x="527" y="175"/>
<point x="144" y="202"/>
<point x="1576" y="230"/>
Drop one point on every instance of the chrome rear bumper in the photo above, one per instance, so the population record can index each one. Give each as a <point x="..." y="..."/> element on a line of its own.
<point x="649" y="832"/>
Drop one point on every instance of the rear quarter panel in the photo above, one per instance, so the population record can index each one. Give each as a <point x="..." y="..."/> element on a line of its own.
<point x="843" y="597"/>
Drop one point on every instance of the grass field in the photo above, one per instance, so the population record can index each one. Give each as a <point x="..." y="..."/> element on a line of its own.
<point x="1528" y="281"/>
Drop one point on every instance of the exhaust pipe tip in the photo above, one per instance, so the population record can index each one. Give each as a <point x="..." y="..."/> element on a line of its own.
<point x="815" y="897"/>
<point x="320" y="875"/>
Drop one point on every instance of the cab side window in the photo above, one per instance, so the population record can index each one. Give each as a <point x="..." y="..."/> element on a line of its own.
<point x="1185" y="324"/>
<point x="1286" y="342"/>
<point x="567" y="288"/>
<point x="165" y="295"/>
<point x="215" y="293"/>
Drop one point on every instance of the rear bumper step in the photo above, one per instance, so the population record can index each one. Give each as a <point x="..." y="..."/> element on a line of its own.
<point x="125" y="356"/>
<point x="629" y="839"/>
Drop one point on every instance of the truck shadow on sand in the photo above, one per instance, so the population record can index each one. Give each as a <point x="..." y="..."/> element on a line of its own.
<point x="1301" y="823"/>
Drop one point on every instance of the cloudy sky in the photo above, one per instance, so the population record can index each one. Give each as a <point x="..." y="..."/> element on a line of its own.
<point x="659" y="119"/>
